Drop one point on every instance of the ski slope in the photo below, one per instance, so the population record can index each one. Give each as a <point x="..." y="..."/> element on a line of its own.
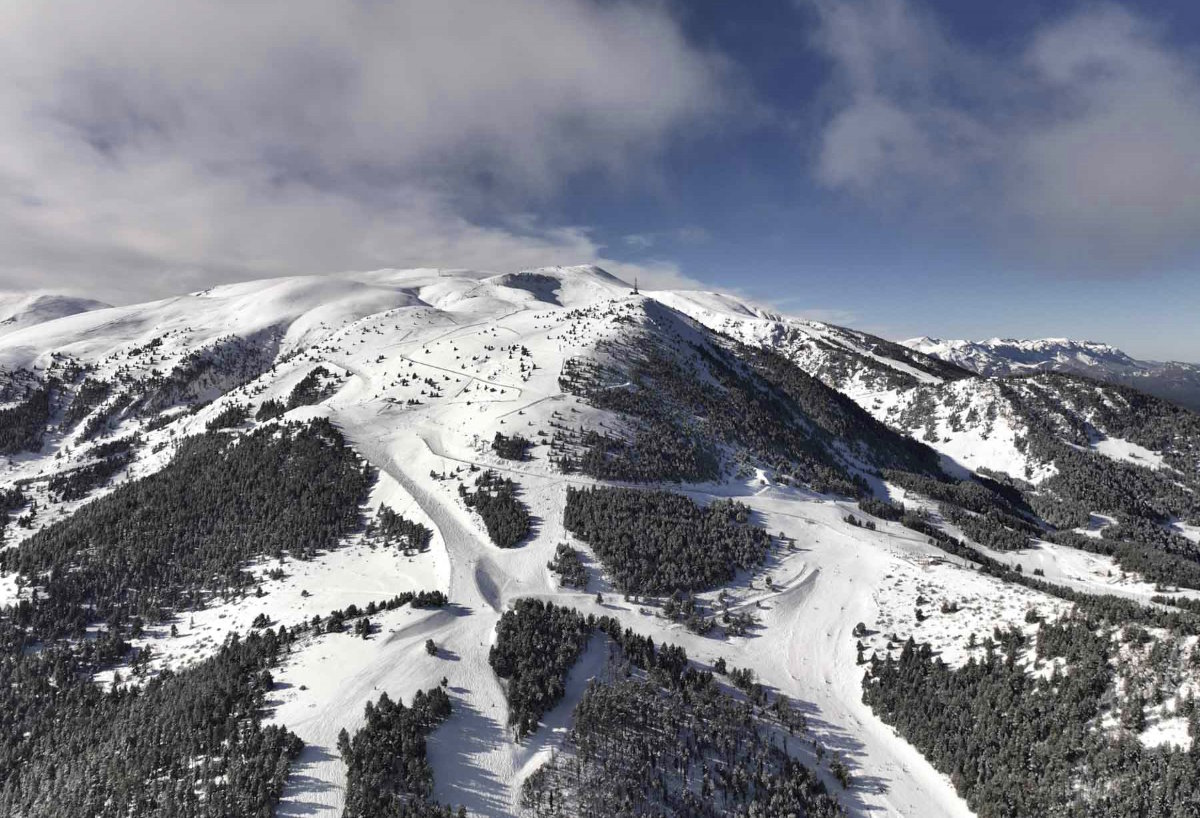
<point x="428" y="366"/>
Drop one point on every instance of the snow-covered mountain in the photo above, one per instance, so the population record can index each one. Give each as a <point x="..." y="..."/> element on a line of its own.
<point x="848" y="360"/>
<point x="1171" y="380"/>
<point x="572" y="467"/>
<point x="20" y="310"/>
<point x="1019" y="423"/>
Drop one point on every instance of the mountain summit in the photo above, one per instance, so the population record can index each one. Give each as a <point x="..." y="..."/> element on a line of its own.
<point x="19" y="310"/>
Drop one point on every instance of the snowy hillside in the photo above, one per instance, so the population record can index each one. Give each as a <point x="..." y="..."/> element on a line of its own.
<point x="850" y="361"/>
<point x="1172" y="380"/>
<point x="291" y="498"/>
<point x="20" y="310"/>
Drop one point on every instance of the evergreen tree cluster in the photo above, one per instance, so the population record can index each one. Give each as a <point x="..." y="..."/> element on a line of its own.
<point x="397" y="530"/>
<point x="203" y="373"/>
<point x="637" y="748"/>
<point x="120" y="445"/>
<point x="77" y="483"/>
<point x="1184" y="602"/>
<point x="568" y="564"/>
<point x="91" y="393"/>
<point x="987" y="529"/>
<point x="666" y="743"/>
<point x="1087" y="483"/>
<point x="537" y="644"/>
<point x="511" y="447"/>
<point x="186" y="745"/>
<point x="1015" y="744"/>
<point x="682" y="606"/>
<point x="313" y="388"/>
<point x="980" y="495"/>
<point x="881" y="509"/>
<point x="22" y="426"/>
<point x="269" y="409"/>
<point x="657" y="542"/>
<point x="336" y="621"/>
<point x="495" y="500"/>
<point x="387" y="772"/>
<point x="230" y="417"/>
<point x="11" y="499"/>
<point x="171" y="539"/>
<point x="649" y="453"/>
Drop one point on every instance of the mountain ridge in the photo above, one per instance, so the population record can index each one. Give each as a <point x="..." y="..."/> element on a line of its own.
<point x="1177" y="381"/>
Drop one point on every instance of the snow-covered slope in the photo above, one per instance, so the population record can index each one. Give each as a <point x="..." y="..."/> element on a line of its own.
<point x="1172" y="380"/>
<point x="420" y="370"/>
<point x="948" y="394"/>
<point x="850" y="361"/>
<point x="20" y="310"/>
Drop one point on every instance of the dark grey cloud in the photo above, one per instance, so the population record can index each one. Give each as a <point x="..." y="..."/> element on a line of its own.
<point x="1080" y="147"/>
<point x="148" y="147"/>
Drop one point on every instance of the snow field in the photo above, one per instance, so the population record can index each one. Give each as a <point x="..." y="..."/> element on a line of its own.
<point x="487" y="354"/>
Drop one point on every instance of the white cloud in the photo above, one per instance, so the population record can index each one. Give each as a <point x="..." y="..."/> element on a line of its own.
<point x="149" y="147"/>
<point x="1080" y="147"/>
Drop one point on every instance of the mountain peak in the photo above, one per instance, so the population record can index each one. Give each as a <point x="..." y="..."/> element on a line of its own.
<point x="20" y="310"/>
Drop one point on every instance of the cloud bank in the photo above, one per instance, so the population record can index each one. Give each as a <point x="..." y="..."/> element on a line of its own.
<point x="148" y="147"/>
<point x="1079" y="147"/>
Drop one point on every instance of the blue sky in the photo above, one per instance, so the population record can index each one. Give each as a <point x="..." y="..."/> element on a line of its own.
<point x="745" y="208"/>
<point x="957" y="169"/>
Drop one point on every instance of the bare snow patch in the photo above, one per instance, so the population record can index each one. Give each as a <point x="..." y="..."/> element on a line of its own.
<point x="1127" y="451"/>
<point x="1171" y="731"/>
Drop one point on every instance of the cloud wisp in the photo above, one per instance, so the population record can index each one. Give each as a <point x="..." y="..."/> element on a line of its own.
<point x="1080" y="148"/>
<point x="147" y="147"/>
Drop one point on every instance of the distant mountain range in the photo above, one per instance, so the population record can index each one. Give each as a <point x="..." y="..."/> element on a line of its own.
<point x="1175" y="381"/>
